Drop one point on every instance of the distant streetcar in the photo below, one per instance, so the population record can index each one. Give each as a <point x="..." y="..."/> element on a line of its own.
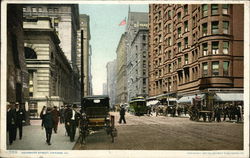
<point x="137" y="106"/>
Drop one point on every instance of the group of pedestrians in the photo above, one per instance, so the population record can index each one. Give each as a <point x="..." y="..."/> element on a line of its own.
<point x="232" y="112"/>
<point x="168" y="110"/>
<point x="51" y="117"/>
<point x="219" y="112"/>
<point x="15" y="120"/>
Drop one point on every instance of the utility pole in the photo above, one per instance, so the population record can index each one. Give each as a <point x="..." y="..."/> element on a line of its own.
<point x="82" y="67"/>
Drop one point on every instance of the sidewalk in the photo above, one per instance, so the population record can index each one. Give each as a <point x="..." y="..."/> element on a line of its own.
<point x="34" y="138"/>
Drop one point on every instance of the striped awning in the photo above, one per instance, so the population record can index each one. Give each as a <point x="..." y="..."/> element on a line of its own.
<point x="188" y="99"/>
<point x="229" y="96"/>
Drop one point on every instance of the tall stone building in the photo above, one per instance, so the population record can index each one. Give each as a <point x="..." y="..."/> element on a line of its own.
<point x="137" y="58"/>
<point x="85" y="26"/>
<point x="121" y="75"/>
<point x="52" y="81"/>
<point x="196" y="49"/>
<point x="65" y="20"/>
<point x="17" y="74"/>
<point x="111" y="82"/>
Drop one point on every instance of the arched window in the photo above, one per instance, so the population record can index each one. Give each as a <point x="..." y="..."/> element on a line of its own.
<point x="30" y="53"/>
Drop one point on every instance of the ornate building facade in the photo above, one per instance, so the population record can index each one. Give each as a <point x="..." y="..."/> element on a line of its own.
<point x="195" y="49"/>
<point x="52" y="81"/>
<point x="65" y="20"/>
<point x="136" y="51"/>
<point x="121" y="75"/>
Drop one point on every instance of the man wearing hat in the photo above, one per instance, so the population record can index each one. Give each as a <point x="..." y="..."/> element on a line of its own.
<point x="55" y="115"/>
<point x="122" y="114"/>
<point x="67" y="115"/>
<point x="20" y="115"/>
<point x="73" y="122"/>
<point x="61" y="111"/>
<point x="11" y="122"/>
<point x="48" y="123"/>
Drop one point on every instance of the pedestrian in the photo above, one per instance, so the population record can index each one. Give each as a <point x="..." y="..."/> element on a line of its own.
<point x="218" y="113"/>
<point x="234" y="112"/>
<point x="122" y="115"/>
<point x="55" y="115"/>
<point x="149" y="110"/>
<point x="157" y="111"/>
<point x="15" y="130"/>
<point x="225" y="112"/>
<point x="239" y="112"/>
<point x="67" y="115"/>
<point x="166" y="110"/>
<point x="185" y="109"/>
<point x="179" y="111"/>
<point x="73" y="122"/>
<point x="173" y="111"/>
<point x="48" y="123"/>
<point x="20" y="115"/>
<point x="230" y="112"/>
<point x="11" y="122"/>
<point x="62" y="119"/>
<point x="210" y="115"/>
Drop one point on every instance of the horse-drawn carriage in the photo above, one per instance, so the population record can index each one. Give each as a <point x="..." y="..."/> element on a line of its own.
<point x="95" y="116"/>
<point x="197" y="110"/>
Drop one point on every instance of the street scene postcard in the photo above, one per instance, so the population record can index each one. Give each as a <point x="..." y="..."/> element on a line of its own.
<point x="124" y="79"/>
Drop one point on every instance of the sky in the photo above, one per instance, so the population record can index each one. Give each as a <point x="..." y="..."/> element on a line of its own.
<point x="105" y="35"/>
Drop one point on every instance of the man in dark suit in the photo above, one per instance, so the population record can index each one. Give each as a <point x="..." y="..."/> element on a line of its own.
<point x="55" y="114"/>
<point x="11" y="122"/>
<point x="62" y="119"/>
<point x="48" y="123"/>
<point x="20" y="115"/>
<point x="73" y="122"/>
<point x="122" y="115"/>
<point x="67" y="115"/>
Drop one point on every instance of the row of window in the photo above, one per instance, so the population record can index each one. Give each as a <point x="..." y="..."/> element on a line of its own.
<point x="214" y="30"/>
<point x="215" y="67"/>
<point x="184" y="76"/>
<point x="215" y="49"/>
<point x="215" y="9"/>
<point x="171" y="66"/>
<point x="40" y="9"/>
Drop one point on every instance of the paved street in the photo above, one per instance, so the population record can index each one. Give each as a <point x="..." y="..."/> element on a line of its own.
<point x="167" y="133"/>
<point x="34" y="139"/>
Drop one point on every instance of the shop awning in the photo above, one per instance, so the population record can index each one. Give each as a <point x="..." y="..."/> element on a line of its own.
<point x="188" y="99"/>
<point x="152" y="102"/>
<point x="229" y="97"/>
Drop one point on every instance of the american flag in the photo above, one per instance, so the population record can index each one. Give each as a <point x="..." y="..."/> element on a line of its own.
<point x="123" y="22"/>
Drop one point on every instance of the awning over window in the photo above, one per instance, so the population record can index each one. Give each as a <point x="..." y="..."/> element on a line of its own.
<point x="229" y="96"/>
<point x="188" y="99"/>
<point x="152" y="102"/>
